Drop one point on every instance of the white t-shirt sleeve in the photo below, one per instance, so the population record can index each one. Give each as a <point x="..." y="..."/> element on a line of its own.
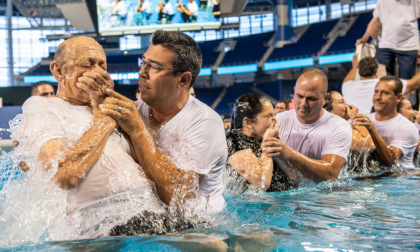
<point x="417" y="125"/>
<point x="339" y="142"/>
<point x="40" y="124"/>
<point x="377" y="10"/>
<point x="404" y="82"/>
<point x="407" y="139"/>
<point x="208" y="145"/>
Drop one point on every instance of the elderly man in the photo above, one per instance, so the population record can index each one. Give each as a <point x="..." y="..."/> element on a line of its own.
<point x="394" y="136"/>
<point x="360" y="92"/>
<point x="42" y="88"/>
<point x="312" y="141"/>
<point x="178" y="140"/>
<point x="90" y="158"/>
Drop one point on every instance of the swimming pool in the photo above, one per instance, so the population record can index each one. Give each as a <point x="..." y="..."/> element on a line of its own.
<point x="346" y="214"/>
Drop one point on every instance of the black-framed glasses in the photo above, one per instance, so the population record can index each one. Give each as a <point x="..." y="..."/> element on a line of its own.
<point x="154" y="66"/>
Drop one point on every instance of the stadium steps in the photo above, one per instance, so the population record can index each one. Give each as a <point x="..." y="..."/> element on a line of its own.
<point x="259" y="91"/>
<point x="345" y="42"/>
<point x="219" y="98"/>
<point x="231" y="43"/>
<point x="339" y="30"/>
<point x="267" y="53"/>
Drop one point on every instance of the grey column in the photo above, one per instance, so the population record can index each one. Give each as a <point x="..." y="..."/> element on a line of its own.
<point x="10" y="41"/>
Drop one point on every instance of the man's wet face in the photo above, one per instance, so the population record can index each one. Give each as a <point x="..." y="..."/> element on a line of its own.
<point x="384" y="98"/>
<point x="82" y="56"/>
<point x="309" y="99"/>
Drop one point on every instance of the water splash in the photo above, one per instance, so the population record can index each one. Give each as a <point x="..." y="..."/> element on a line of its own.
<point x="34" y="210"/>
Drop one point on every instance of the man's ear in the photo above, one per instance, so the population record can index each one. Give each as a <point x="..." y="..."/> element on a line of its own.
<point x="399" y="97"/>
<point x="326" y="97"/>
<point x="185" y="80"/>
<point x="57" y="71"/>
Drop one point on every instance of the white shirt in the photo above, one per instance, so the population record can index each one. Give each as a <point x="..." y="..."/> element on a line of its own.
<point x="401" y="133"/>
<point x="417" y="125"/>
<point x="193" y="7"/>
<point x="146" y="7"/>
<point x="114" y="176"/>
<point x="399" y="24"/>
<point x="168" y="9"/>
<point x="194" y="139"/>
<point x="120" y="9"/>
<point x="360" y="93"/>
<point x="329" y="135"/>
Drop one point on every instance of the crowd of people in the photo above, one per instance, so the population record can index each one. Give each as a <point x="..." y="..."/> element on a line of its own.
<point x="164" y="11"/>
<point x="170" y="149"/>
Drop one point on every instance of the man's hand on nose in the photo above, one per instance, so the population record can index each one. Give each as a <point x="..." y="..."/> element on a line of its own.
<point x="95" y="84"/>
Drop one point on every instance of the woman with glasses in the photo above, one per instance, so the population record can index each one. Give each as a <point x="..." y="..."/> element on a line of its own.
<point x="248" y="167"/>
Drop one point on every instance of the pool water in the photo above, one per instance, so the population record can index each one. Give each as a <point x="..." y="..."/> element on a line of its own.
<point x="348" y="214"/>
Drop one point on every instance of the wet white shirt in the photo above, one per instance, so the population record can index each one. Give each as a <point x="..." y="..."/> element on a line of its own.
<point x="195" y="140"/>
<point x="399" y="24"/>
<point x="115" y="173"/>
<point x="193" y="7"/>
<point x="360" y="93"/>
<point x="401" y="133"/>
<point x="329" y="135"/>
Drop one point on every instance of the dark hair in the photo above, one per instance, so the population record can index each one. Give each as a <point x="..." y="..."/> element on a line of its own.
<point x="398" y="86"/>
<point x="283" y="101"/>
<point x="368" y="67"/>
<point x="188" y="56"/>
<point x="38" y="84"/>
<point x="400" y="104"/>
<point x="328" y="102"/>
<point x="247" y="105"/>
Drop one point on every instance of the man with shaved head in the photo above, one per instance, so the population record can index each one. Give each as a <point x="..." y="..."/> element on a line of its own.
<point x="89" y="156"/>
<point x="314" y="142"/>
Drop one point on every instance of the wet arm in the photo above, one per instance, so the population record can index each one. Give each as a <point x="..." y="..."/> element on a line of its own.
<point x="257" y="171"/>
<point x="78" y="159"/>
<point x="387" y="155"/>
<point x="169" y="180"/>
<point x="328" y="167"/>
<point x="361" y="140"/>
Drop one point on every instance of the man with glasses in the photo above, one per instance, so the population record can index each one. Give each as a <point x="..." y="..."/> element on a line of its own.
<point x="177" y="140"/>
